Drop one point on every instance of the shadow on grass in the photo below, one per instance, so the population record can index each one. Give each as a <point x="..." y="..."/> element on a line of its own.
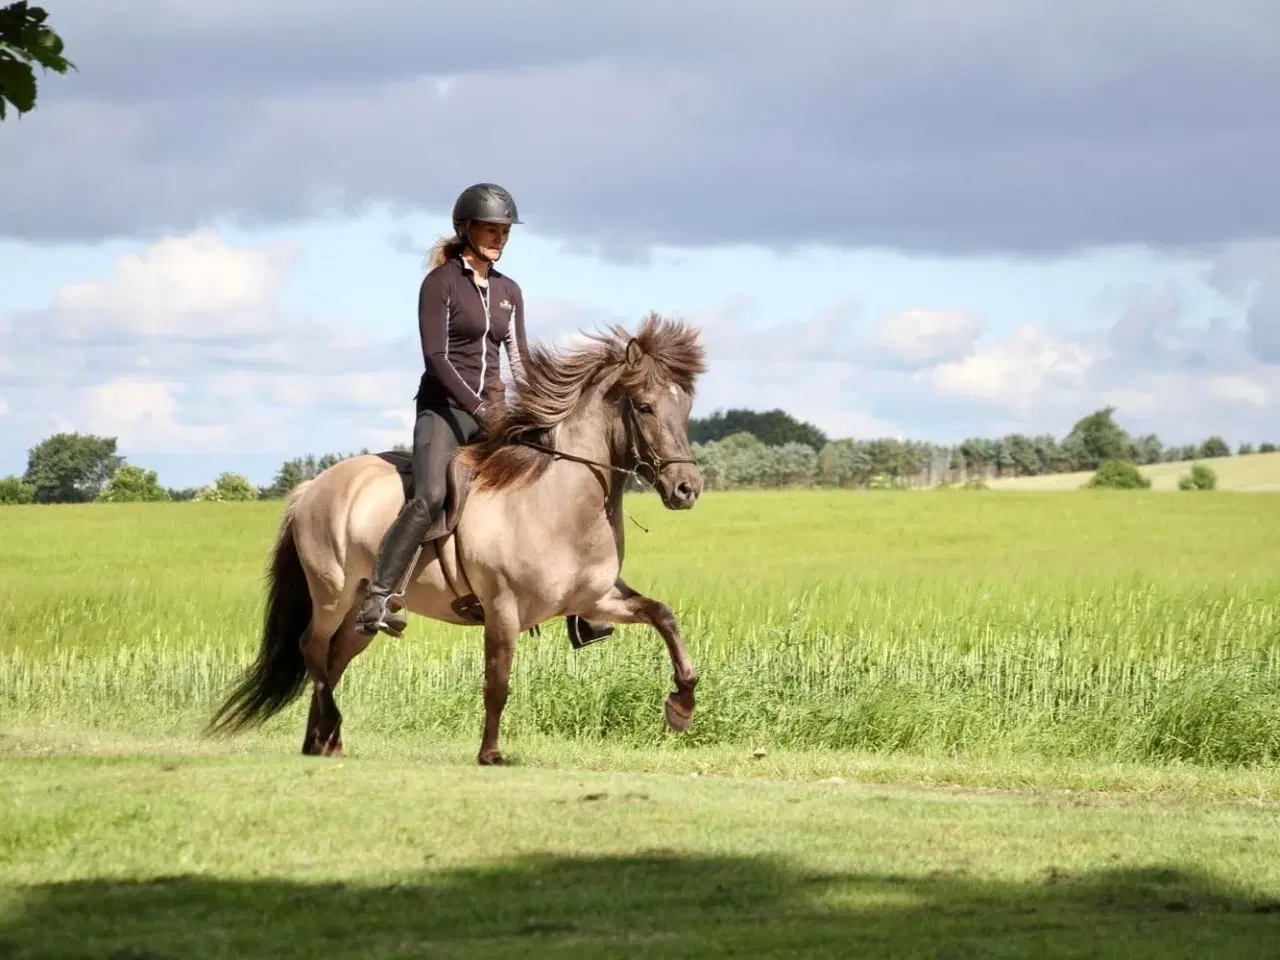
<point x="666" y="906"/>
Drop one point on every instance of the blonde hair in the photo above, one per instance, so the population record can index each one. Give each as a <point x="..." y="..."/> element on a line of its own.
<point x="446" y="248"/>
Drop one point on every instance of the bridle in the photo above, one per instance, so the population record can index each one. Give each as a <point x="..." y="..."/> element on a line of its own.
<point x="653" y="463"/>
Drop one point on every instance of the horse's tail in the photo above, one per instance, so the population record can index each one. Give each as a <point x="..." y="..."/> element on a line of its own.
<point x="278" y="674"/>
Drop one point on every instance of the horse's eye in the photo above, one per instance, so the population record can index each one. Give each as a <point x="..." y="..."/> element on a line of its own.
<point x="645" y="407"/>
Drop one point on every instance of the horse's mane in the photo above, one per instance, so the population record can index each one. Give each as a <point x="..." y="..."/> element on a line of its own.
<point x="554" y="380"/>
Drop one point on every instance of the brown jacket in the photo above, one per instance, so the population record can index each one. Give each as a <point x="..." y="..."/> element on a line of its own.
<point x="462" y="326"/>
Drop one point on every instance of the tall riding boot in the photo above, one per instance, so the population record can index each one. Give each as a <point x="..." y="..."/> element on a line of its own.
<point x="394" y="557"/>
<point x="583" y="632"/>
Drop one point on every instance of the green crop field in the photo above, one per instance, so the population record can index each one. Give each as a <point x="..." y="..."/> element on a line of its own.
<point x="1110" y="661"/>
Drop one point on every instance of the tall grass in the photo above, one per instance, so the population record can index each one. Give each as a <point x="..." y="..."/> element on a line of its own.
<point x="1132" y="626"/>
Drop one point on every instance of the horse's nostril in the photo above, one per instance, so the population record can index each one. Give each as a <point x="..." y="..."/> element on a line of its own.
<point x="684" y="490"/>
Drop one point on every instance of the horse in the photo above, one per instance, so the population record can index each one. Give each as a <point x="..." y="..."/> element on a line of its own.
<point x="532" y="527"/>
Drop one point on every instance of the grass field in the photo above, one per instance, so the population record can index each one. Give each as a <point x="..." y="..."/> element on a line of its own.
<point x="1082" y="689"/>
<point x="1253" y="473"/>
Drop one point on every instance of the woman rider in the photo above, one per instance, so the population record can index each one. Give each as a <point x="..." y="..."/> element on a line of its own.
<point x="466" y="309"/>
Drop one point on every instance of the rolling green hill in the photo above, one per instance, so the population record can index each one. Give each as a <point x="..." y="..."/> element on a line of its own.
<point x="1255" y="473"/>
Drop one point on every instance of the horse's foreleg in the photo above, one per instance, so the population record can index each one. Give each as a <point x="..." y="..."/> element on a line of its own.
<point x="624" y="605"/>
<point x="500" y="631"/>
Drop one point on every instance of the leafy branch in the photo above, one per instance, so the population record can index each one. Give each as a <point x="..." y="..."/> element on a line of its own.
<point x="24" y="41"/>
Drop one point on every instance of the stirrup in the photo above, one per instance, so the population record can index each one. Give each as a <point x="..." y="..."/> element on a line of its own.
<point x="582" y="632"/>
<point x="391" y="622"/>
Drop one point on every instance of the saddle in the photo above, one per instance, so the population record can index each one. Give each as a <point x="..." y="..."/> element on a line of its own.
<point x="458" y="482"/>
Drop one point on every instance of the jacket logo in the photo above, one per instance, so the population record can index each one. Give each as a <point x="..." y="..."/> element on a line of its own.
<point x="507" y="305"/>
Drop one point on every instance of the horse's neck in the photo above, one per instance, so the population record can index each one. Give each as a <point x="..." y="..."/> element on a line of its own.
<point x="595" y="489"/>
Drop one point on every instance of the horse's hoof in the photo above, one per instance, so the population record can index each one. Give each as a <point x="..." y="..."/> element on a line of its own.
<point x="490" y="758"/>
<point x="678" y="718"/>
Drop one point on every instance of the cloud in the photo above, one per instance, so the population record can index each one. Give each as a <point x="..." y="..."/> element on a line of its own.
<point x="923" y="337"/>
<point x="1163" y="374"/>
<point x="1035" y="129"/>
<point x="185" y="349"/>
<point x="193" y="286"/>
<point x="1250" y="273"/>
<point x="1019" y="370"/>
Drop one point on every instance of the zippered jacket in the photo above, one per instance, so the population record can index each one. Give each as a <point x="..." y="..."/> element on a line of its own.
<point x="463" y="324"/>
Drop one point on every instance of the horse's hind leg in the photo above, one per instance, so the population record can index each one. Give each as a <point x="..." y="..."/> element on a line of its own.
<point x="323" y="719"/>
<point x="624" y="605"/>
<point x="347" y="643"/>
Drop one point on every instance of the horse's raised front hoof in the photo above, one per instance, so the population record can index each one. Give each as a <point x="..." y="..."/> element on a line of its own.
<point x="490" y="758"/>
<point x="679" y="718"/>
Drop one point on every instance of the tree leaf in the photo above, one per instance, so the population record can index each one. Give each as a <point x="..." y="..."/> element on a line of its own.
<point x="17" y="84"/>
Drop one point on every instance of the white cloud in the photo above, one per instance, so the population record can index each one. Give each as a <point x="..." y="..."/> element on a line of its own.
<point x="1018" y="370"/>
<point x="193" y="286"/>
<point x="1239" y="390"/>
<point x="146" y="417"/>
<point x="922" y="337"/>
<point x="185" y="349"/>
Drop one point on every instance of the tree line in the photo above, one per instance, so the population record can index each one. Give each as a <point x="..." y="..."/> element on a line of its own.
<point x="731" y="453"/>
<point x="733" y="449"/>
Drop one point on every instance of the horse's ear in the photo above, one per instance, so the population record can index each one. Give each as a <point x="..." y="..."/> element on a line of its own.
<point x="635" y="353"/>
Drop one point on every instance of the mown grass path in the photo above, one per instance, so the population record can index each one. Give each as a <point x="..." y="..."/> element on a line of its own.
<point x="262" y="856"/>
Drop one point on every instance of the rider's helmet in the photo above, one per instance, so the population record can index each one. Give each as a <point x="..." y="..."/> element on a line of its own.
<point x="484" y="201"/>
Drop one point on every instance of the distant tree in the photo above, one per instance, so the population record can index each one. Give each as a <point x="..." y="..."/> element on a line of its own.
<point x="1266" y="448"/>
<point x="742" y="440"/>
<point x="1096" y="438"/>
<point x="771" y="427"/>
<point x="71" y="467"/>
<point x="132" y="484"/>
<point x="843" y="463"/>
<point x="1051" y="454"/>
<point x="1215" y="446"/>
<point x="182" y="493"/>
<point x="1244" y="450"/>
<point x="26" y="40"/>
<point x="1200" y="478"/>
<point x="229" y="487"/>
<point x="1118" y="475"/>
<point x="14" y="490"/>
<point x="1147" y="449"/>
<point x="290" y="474"/>
<point x="1022" y="455"/>
<point x="295" y="471"/>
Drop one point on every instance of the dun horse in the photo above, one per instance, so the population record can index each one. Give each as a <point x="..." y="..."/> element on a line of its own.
<point x="532" y="530"/>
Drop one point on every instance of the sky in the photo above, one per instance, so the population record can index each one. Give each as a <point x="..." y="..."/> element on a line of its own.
<point x="916" y="220"/>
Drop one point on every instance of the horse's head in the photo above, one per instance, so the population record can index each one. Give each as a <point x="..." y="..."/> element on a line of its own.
<point x="654" y="391"/>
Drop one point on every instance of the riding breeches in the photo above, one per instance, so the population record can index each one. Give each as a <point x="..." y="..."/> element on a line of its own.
<point x="437" y="434"/>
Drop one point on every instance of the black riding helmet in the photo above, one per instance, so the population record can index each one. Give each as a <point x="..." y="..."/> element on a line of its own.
<point x="482" y="201"/>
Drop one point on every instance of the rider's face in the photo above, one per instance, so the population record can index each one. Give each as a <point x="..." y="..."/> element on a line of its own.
<point x="490" y="238"/>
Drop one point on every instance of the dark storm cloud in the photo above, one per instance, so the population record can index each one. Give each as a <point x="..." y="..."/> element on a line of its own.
<point x="1031" y="127"/>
